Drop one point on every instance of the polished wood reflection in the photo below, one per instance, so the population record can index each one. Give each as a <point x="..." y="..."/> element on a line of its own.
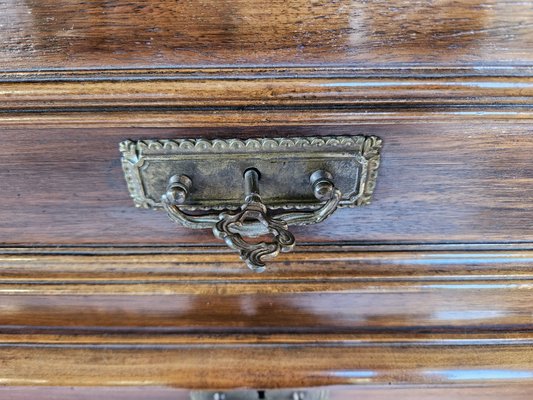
<point x="127" y="317"/>
<point x="75" y="34"/>
<point x="322" y="291"/>
<point x="263" y="365"/>
<point x="426" y="293"/>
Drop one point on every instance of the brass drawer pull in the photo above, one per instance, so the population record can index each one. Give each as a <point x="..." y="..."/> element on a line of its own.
<point x="199" y="183"/>
<point x="253" y="219"/>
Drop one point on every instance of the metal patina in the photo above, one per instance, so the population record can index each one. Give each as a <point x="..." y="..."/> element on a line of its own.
<point x="250" y="188"/>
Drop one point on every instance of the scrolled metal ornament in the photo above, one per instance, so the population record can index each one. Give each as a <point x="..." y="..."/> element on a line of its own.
<point x="232" y="226"/>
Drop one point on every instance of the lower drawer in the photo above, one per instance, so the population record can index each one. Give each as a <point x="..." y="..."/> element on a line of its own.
<point x="195" y="318"/>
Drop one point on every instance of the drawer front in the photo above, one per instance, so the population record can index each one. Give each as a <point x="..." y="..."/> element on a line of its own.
<point x="438" y="182"/>
<point x="133" y="34"/>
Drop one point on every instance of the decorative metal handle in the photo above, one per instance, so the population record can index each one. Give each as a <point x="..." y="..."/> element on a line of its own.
<point x="254" y="218"/>
<point x="232" y="226"/>
<point x="300" y="177"/>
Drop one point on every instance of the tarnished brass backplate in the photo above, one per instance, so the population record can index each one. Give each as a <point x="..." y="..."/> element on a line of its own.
<point x="216" y="168"/>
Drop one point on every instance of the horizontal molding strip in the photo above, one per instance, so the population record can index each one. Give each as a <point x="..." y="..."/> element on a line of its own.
<point x="280" y="92"/>
<point x="167" y="98"/>
<point x="271" y="71"/>
<point x="204" y="270"/>
<point x="308" y="247"/>
<point x="224" y="118"/>
<point x="360" y="339"/>
<point x="288" y="365"/>
<point x="345" y="292"/>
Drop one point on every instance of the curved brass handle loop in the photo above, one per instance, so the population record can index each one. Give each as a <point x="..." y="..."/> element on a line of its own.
<point x="178" y="189"/>
<point x="233" y="226"/>
<point x="323" y="189"/>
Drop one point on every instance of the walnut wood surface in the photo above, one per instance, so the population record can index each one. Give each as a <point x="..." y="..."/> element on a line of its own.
<point x="263" y="365"/>
<point x="75" y="34"/>
<point x="437" y="183"/>
<point x="100" y="92"/>
<point x="116" y="317"/>
<point x="427" y="291"/>
<point x="325" y="290"/>
<point x="263" y="97"/>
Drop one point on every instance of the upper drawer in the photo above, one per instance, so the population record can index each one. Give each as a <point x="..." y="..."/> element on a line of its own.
<point x="73" y="34"/>
<point x="438" y="182"/>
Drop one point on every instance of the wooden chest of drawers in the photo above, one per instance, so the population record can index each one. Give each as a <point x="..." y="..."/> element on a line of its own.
<point x="426" y="292"/>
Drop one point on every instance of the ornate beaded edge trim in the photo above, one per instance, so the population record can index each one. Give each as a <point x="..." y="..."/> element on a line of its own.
<point x="368" y="147"/>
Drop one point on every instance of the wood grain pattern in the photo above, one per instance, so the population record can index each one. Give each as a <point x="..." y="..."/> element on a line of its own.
<point x="74" y="34"/>
<point x="328" y="290"/>
<point x="248" y="90"/>
<point x="262" y="365"/>
<point x="437" y="183"/>
<point x="427" y="291"/>
<point x="118" y="318"/>
<point x="260" y="119"/>
<point x="265" y="97"/>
